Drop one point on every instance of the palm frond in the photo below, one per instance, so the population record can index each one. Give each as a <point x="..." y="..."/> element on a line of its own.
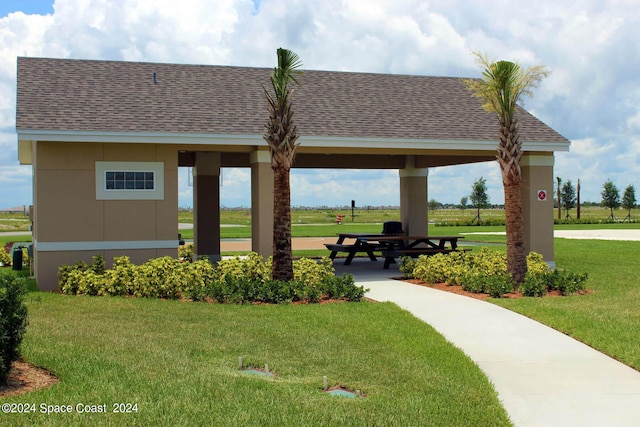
<point x="503" y="84"/>
<point x="288" y="67"/>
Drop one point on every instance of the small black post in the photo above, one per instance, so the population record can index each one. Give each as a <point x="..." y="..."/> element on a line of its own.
<point x="353" y="207"/>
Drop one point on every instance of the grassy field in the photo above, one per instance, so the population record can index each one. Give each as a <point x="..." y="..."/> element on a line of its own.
<point x="14" y="222"/>
<point x="178" y="363"/>
<point x="328" y="216"/>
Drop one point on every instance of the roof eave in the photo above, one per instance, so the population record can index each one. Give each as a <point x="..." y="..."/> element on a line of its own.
<point x="253" y="140"/>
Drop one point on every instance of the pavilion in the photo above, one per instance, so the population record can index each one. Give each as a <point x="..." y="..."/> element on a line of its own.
<point x="106" y="138"/>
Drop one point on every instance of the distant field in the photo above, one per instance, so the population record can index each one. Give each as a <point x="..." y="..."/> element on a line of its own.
<point x="14" y="222"/>
<point x="327" y="216"/>
<point x="20" y="222"/>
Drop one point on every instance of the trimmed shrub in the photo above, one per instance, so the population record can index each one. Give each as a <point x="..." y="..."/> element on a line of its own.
<point x="253" y="267"/>
<point x="534" y="285"/>
<point x="566" y="282"/>
<point x="5" y="258"/>
<point x="13" y="322"/>
<point x="98" y="266"/>
<point x="235" y="280"/>
<point x="185" y="253"/>
<point x="536" y="264"/>
<point x="407" y="265"/>
<point x="311" y="272"/>
<point x="498" y="285"/>
<point x="485" y="271"/>
<point x="118" y="280"/>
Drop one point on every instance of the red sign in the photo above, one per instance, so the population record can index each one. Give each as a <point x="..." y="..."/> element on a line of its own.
<point x="542" y="195"/>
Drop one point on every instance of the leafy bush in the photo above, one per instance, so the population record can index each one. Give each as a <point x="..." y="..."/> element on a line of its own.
<point x="185" y="253"/>
<point x="495" y="285"/>
<point x="5" y="258"/>
<point x="485" y="271"/>
<point x="119" y="279"/>
<point x="235" y="280"/>
<point x="472" y="282"/>
<point x="311" y="272"/>
<point x="498" y="285"/>
<point x="432" y="269"/>
<point x="453" y="268"/>
<point x="68" y="277"/>
<point x="98" y="265"/>
<point x="13" y="322"/>
<point x="406" y="266"/>
<point x="343" y="287"/>
<point x="566" y="282"/>
<point x="534" y="285"/>
<point x="252" y="267"/>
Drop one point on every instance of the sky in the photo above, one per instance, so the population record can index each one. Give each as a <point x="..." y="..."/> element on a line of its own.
<point x="591" y="47"/>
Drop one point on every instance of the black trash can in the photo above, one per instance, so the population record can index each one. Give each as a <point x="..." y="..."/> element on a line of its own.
<point x="16" y="264"/>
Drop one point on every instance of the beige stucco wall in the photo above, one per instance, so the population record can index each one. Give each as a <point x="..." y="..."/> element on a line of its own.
<point x="537" y="175"/>
<point x="261" y="203"/>
<point x="66" y="211"/>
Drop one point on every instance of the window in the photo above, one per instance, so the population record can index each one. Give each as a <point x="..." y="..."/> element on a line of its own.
<point x="126" y="180"/>
<point x="129" y="180"/>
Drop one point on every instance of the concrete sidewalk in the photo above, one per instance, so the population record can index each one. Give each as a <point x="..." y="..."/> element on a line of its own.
<point x="543" y="377"/>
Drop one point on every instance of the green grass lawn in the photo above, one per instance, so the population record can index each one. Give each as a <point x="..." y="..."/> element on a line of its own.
<point x="177" y="361"/>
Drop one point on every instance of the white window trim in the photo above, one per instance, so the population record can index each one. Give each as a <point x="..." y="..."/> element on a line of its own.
<point x="156" y="194"/>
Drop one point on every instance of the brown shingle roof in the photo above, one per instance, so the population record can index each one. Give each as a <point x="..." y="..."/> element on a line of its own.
<point x="110" y="96"/>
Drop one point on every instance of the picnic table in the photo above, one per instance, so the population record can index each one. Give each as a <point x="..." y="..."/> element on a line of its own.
<point x="361" y="244"/>
<point x="391" y="247"/>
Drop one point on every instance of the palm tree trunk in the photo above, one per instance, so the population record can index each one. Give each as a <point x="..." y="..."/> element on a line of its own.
<point x="509" y="154"/>
<point x="516" y="254"/>
<point x="282" y="266"/>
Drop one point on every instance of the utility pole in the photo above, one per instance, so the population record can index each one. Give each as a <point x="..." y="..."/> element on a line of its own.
<point x="578" y="200"/>
<point x="558" y="195"/>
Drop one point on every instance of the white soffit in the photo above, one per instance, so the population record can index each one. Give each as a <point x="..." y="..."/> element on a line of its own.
<point x="253" y="140"/>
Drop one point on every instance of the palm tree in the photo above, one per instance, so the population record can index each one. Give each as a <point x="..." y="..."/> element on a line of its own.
<point x="281" y="136"/>
<point x="500" y="89"/>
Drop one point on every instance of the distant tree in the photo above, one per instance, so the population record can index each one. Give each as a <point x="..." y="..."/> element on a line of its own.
<point x="463" y="202"/>
<point x="559" y="181"/>
<point x="434" y="204"/>
<point x="629" y="200"/>
<point x="479" y="197"/>
<point x="610" y="197"/>
<point x="568" y="197"/>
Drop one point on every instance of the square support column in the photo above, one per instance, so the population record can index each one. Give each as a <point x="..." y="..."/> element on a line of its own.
<point x="261" y="203"/>
<point x="206" y="205"/>
<point x="414" y="207"/>
<point x="537" y="204"/>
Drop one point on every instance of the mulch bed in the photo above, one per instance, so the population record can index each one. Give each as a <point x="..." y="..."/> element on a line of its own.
<point x="458" y="290"/>
<point x="25" y="377"/>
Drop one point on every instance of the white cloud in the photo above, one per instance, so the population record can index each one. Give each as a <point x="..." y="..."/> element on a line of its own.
<point x="590" y="46"/>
